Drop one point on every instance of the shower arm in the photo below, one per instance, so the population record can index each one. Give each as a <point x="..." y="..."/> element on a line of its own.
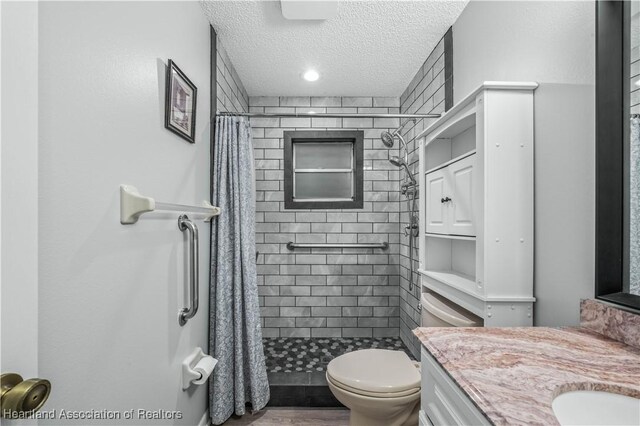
<point x="403" y="145"/>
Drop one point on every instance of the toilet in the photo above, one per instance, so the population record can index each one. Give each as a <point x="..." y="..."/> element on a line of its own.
<point x="381" y="387"/>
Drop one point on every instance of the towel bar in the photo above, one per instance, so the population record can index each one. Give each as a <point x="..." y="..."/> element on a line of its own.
<point x="132" y="205"/>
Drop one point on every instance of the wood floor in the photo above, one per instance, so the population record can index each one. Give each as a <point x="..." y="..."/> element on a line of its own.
<point x="293" y="416"/>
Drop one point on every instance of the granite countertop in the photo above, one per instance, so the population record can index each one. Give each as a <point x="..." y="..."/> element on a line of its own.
<point x="513" y="374"/>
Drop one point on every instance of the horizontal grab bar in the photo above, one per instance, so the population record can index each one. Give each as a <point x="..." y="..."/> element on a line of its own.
<point x="291" y="245"/>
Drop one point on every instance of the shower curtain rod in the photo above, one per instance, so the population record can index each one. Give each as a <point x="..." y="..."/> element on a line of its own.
<point x="326" y="115"/>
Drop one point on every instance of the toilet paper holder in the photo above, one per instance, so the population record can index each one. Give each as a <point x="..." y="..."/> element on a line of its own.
<point x="196" y="368"/>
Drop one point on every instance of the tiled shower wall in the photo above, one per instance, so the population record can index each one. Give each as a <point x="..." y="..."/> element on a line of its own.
<point x="430" y="91"/>
<point x="327" y="292"/>
<point x="230" y="92"/>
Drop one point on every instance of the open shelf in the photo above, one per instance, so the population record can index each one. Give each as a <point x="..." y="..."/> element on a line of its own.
<point x="454" y="142"/>
<point x="450" y="237"/>
<point x="457" y="255"/>
<point x="453" y="160"/>
<point x="457" y="280"/>
<point x="456" y="127"/>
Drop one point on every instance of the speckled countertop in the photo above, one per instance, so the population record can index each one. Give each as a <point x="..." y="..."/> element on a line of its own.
<point x="513" y="374"/>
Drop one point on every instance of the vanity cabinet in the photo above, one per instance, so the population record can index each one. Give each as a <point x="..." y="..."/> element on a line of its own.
<point x="443" y="402"/>
<point x="476" y="204"/>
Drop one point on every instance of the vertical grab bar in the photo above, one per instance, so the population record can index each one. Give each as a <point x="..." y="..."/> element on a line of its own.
<point x="185" y="224"/>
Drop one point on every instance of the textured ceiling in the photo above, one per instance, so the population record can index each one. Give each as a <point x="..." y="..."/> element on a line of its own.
<point x="371" y="48"/>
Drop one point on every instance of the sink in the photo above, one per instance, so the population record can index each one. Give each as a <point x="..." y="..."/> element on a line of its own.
<point x="596" y="408"/>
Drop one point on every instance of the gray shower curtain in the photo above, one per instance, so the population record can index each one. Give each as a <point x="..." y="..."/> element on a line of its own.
<point x="240" y="376"/>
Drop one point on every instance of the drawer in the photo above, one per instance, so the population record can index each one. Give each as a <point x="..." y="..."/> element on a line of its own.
<point x="442" y="400"/>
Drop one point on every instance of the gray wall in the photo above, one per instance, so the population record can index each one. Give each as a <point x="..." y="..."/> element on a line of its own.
<point x="548" y="42"/>
<point x="425" y="94"/>
<point x="109" y="294"/>
<point x="551" y="43"/>
<point x="326" y="292"/>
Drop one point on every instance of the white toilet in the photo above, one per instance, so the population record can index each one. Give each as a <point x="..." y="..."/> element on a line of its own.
<point x="380" y="387"/>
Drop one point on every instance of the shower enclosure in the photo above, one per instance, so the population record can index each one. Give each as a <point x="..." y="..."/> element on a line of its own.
<point x="327" y="283"/>
<point x="329" y="279"/>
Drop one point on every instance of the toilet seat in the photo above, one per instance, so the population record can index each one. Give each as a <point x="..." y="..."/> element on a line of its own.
<point x="372" y="394"/>
<point x="377" y="373"/>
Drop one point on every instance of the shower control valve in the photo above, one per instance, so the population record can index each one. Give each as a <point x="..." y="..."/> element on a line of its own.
<point x="412" y="228"/>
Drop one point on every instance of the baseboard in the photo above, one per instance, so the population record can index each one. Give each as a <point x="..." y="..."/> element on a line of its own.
<point x="205" y="421"/>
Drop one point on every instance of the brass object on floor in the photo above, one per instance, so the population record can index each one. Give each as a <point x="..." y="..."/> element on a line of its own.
<point x="22" y="396"/>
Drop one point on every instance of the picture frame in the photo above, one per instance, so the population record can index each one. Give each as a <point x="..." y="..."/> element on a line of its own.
<point x="180" y="103"/>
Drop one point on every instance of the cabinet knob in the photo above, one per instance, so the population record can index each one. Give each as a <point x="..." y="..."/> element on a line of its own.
<point x="445" y="200"/>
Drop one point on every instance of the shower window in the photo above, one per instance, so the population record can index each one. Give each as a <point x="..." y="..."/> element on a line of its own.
<point x="323" y="169"/>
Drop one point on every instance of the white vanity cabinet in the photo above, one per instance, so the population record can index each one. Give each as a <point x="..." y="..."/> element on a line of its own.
<point x="449" y="198"/>
<point x="443" y="403"/>
<point x="476" y="204"/>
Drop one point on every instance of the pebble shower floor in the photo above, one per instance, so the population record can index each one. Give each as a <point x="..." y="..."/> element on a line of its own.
<point x="293" y="354"/>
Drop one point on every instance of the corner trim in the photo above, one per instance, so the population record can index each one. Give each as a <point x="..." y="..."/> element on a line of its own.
<point x="448" y="69"/>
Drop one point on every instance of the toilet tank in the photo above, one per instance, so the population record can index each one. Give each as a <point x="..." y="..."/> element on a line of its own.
<point x="440" y="312"/>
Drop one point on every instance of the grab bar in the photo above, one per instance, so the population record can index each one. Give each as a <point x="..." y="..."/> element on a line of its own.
<point x="185" y="314"/>
<point x="292" y="246"/>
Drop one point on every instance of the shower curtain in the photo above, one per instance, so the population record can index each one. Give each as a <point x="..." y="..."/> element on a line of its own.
<point x="240" y="376"/>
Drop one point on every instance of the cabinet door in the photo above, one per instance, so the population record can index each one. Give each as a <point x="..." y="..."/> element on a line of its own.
<point x="436" y="189"/>
<point x="461" y="208"/>
<point x="442" y="400"/>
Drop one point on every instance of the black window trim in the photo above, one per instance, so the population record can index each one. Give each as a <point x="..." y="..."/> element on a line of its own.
<point x="320" y="136"/>
<point x="612" y="142"/>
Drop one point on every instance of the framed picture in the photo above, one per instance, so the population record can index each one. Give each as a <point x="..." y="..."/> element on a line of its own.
<point x="180" y="103"/>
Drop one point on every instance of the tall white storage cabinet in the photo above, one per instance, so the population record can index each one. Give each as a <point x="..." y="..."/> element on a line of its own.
<point x="476" y="204"/>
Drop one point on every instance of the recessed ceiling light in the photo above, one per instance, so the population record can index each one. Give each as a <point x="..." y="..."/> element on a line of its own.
<point x="311" y="75"/>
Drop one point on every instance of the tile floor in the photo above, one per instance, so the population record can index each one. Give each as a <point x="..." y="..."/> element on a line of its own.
<point x="297" y="367"/>
<point x="310" y="355"/>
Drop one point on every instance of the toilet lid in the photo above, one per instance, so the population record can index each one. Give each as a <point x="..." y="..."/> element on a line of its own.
<point x="375" y="370"/>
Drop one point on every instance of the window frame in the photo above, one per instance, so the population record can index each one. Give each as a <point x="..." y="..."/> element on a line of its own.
<point x="355" y="137"/>
<point x="612" y="162"/>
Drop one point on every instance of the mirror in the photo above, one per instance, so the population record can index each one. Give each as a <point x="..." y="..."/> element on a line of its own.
<point x="617" y="274"/>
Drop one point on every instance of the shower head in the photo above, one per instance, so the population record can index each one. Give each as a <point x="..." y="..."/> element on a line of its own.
<point x="387" y="139"/>
<point x="399" y="162"/>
